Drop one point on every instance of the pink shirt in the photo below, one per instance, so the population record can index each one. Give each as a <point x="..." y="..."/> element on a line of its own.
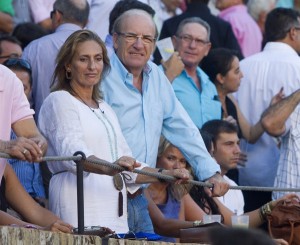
<point x="13" y="103"/>
<point x="244" y="28"/>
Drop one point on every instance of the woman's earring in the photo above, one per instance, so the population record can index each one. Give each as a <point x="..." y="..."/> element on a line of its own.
<point x="68" y="74"/>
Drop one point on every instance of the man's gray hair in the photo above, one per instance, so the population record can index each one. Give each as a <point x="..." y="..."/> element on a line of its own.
<point x="196" y="20"/>
<point x="255" y="7"/>
<point x="73" y="11"/>
<point x="133" y="12"/>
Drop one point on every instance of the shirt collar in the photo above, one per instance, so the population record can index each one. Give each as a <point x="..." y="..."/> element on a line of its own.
<point x="120" y="68"/>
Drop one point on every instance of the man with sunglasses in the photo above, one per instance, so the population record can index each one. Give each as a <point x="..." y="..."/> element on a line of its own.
<point x="147" y="107"/>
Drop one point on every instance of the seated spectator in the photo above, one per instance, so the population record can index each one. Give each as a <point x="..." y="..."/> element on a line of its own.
<point x="169" y="197"/>
<point x="28" y="173"/>
<point x="174" y="202"/>
<point x="74" y="117"/>
<point x="27" y="32"/>
<point x="10" y="47"/>
<point x="226" y="151"/>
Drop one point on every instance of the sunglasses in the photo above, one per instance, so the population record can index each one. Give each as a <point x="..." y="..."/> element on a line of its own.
<point x="21" y="63"/>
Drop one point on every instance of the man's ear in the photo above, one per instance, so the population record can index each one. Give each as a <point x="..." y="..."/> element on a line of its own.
<point x="174" y="41"/>
<point x="115" y="41"/>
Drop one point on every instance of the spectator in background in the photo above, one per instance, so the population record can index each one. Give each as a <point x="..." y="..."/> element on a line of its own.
<point x="221" y="31"/>
<point x="265" y="73"/>
<point x="243" y="25"/>
<point x="99" y="16"/>
<point x="28" y="173"/>
<point x="27" y="32"/>
<point x="10" y="47"/>
<point x="259" y="9"/>
<point x="164" y="9"/>
<point x="67" y="17"/>
<point x="192" y="87"/>
<point x="6" y="16"/>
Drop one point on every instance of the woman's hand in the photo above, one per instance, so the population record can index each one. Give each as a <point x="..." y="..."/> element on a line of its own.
<point x="183" y="175"/>
<point x="128" y="163"/>
<point x="59" y="226"/>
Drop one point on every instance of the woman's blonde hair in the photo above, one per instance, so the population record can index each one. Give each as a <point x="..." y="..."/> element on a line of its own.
<point x="177" y="191"/>
<point x="65" y="55"/>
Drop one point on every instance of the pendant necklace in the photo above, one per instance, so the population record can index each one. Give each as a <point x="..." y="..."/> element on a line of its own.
<point x="117" y="178"/>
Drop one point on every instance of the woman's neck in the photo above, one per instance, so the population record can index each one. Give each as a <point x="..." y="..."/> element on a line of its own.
<point x="158" y="192"/>
<point x="84" y="94"/>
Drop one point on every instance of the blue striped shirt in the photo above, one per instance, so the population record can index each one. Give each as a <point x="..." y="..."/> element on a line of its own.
<point x="29" y="175"/>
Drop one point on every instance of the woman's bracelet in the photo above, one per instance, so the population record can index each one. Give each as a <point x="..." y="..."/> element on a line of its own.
<point x="265" y="210"/>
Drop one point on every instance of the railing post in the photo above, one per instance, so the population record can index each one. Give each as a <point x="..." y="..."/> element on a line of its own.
<point x="80" y="194"/>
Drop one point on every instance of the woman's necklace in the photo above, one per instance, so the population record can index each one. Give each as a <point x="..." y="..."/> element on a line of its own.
<point x="108" y="125"/>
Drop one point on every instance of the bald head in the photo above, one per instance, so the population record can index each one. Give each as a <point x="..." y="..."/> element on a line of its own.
<point x="73" y="11"/>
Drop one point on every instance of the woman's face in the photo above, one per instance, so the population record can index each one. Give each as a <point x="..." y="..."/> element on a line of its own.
<point x="87" y="64"/>
<point x="171" y="159"/>
<point x="232" y="80"/>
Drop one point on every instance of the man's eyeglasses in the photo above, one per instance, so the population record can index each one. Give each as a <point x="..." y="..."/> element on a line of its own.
<point x="14" y="62"/>
<point x="53" y="12"/>
<point x="133" y="37"/>
<point x="189" y="39"/>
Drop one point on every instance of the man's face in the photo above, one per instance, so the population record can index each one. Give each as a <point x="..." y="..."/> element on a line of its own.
<point x="10" y="50"/>
<point x="227" y="151"/>
<point x="192" y="44"/>
<point x="134" y="53"/>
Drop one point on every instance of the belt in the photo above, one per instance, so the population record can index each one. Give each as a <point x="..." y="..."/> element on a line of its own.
<point x="134" y="195"/>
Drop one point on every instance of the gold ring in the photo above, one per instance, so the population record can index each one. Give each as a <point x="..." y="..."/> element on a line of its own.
<point x="24" y="152"/>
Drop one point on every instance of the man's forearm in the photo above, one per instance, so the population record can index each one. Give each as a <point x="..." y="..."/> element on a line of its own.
<point x="273" y="119"/>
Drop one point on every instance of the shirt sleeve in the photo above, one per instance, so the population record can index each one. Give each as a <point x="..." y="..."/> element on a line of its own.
<point x="180" y="130"/>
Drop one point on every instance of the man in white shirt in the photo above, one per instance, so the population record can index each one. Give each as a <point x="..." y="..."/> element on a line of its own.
<point x="265" y="73"/>
<point x="226" y="151"/>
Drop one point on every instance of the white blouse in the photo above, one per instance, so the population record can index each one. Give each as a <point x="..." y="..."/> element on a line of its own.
<point x="70" y="126"/>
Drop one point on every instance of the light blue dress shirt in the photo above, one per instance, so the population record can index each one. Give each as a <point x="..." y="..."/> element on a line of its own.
<point x="202" y="106"/>
<point x="144" y="116"/>
<point x="41" y="55"/>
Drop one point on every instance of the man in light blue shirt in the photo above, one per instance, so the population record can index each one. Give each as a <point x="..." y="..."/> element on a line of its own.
<point x="67" y="17"/>
<point x="147" y="107"/>
<point x="194" y="90"/>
